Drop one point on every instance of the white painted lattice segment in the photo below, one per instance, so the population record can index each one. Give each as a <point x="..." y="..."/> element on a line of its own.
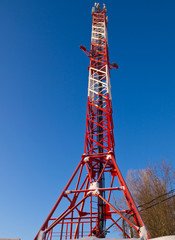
<point x="94" y="83"/>
<point x="95" y="80"/>
<point x="99" y="76"/>
<point x="99" y="25"/>
<point x="98" y="70"/>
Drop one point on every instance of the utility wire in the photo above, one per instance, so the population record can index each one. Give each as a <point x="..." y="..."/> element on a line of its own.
<point x="157" y="203"/>
<point x="157" y="198"/>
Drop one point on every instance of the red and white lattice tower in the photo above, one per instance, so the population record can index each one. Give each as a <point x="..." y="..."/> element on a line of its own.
<point x="86" y="206"/>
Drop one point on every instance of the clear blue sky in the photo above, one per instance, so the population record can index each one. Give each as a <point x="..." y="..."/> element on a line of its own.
<point x="43" y="94"/>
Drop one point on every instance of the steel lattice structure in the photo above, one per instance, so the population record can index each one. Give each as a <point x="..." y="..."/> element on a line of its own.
<point x="87" y="197"/>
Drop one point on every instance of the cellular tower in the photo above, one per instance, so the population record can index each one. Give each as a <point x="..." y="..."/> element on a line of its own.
<point x="86" y="205"/>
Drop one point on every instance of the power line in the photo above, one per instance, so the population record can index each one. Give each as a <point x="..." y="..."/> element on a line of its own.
<point x="157" y="198"/>
<point x="157" y="203"/>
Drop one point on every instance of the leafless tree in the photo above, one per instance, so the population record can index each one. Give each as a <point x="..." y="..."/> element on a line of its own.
<point x="153" y="191"/>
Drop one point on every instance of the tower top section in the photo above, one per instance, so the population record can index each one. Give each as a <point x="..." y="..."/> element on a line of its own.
<point x="97" y="9"/>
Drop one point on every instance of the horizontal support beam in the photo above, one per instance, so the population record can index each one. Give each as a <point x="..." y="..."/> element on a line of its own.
<point x="90" y="190"/>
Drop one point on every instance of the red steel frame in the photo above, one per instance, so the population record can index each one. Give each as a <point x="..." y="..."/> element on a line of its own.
<point x="88" y="204"/>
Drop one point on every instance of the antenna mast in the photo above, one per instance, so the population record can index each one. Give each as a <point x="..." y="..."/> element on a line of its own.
<point x="85" y="207"/>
